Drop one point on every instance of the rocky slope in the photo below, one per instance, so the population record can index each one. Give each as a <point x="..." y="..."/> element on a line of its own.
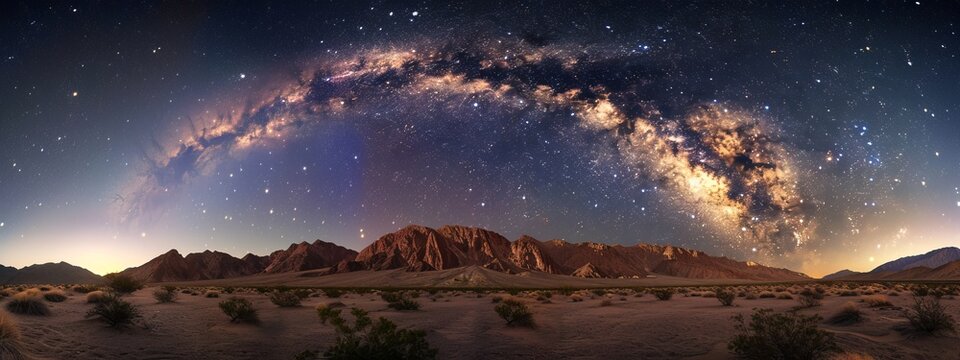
<point x="420" y="248"/>
<point x="931" y="260"/>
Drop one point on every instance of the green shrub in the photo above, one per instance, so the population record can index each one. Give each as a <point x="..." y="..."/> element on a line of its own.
<point x="929" y="316"/>
<point x="239" y="309"/>
<point x="662" y="294"/>
<point x="123" y="284"/>
<point x="849" y="314"/>
<point x="784" y="336"/>
<point x="725" y="297"/>
<point x="114" y="311"/>
<point x="515" y="312"/>
<point x="380" y="339"/>
<point x="165" y="295"/>
<point x="28" y="302"/>
<point x="55" y="296"/>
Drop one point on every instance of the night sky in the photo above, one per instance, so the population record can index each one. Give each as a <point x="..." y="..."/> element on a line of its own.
<point x="814" y="136"/>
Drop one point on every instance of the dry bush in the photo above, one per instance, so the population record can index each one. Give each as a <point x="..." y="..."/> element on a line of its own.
<point x="750" y="296"/>
<point x="239" y="309"/>
<point x="115" y="312"/>
<point x="725" y="297"/>
<point x="876" y="301"/>
<point x="928" y="315"/>
<point x="515" y="312"/>
<point x="285" y="299"/>
<point x="788" y="335"/>
<point x="96" y="296"/>
<point x="662" y="294"/>
<point x="848" y="293"/>
<point x="496" y="298"/>
<point x="784" y="296"/>
<point x="29" y="302"/>
<point x="575" y="298"/>
<point x="849" y="314"/>
<point x="165" y="295"/>
<point x="606" y="302"/>
<point x="809" y="298"/>
<point x="83" y="289"/>
<point x="212" y="294"/>
<point x="10" y="345"/>
<point x="373" y="339"/>
<point x="123" y="284"/>
<point x="55" y="295"/>
<point x="893" y="293"/>
<point x="767" y="295"/>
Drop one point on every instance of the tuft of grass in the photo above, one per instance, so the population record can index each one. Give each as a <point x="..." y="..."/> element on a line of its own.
<point x="515" y="313"/>
<point x="10" y="339"/>
<point x="28" y="302"/>
<point x="114" y="311"/>
<point x="165" y="295"/>
<point x="770" y="335"/>
<point x="725" y="297"/>
<point x="55" y="295"/>
<point x="849" y="314"/>
<point x="929" y="316"/>
<point x="876" y="301"/>
<point x="94" y="297"/>
<point x="239" y="310"/>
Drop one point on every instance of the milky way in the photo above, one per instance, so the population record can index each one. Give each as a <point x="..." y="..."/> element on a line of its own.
<point x="809" y="136"/>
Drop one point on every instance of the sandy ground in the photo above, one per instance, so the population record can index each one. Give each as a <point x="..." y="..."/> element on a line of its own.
<point x="461" y="326"/>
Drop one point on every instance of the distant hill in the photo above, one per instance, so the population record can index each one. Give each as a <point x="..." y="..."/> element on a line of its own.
<point x="939" y="264"/>
<point x="49" y="273"/>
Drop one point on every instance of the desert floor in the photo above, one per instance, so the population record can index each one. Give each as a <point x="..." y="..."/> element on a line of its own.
<point x="463" y="326"/>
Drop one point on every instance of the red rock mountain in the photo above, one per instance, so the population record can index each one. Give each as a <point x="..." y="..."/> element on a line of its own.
<point x="948" y="271"/>
<point x="420" y="248"/>
<point x="217" y="265"/>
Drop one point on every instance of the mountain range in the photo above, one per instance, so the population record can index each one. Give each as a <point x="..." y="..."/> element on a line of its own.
<point x="49" y="273"/>
<point x="418" y="248"/>
<point x="939" y="264"/>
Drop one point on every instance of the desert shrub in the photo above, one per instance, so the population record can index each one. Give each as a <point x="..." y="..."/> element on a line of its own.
<point x="302" y="293"/>
<point x="28" y="303"/>
<point x="285" y="299"/>
<point x="390" y="296"/>
<point x="229" y="290"/>
<point x="55" y="296"/>
<point x="893" y="293"/>
<point x="575" y="298"/>
<point x="327" y="312"/>
<point x="662" y="294"/>
<point x="165" y="295"/>
<point x="114" y="311"/>
<point x="333" y="293"/>
<point x="239" y="309"/>
<point x="83" y="289"/>
<point x="606" y="302"/>
<point x="784" y="296"/>
<point x="848" y="293"/>
<point x="767" y="295"/>
<point x="849" y="314"/>
<point x="708" y="294"/>
<point x="876" y="301"/>
<point x="786" y="336"/>
<point x="380" y="339"/>
<point x="929" y="316"/>
<point x="750" y="296"/>
<point x="123" y="284"/>
<point x="515" y="312"/>
<point x="10" y="345"/>
<point x="404" y="304"/>
<point x="212" y="294"/>
<point x="809" y="298"/>
<point x="566" y="291"/>
<point x="599" y="292"/>
<point x="96" y="296"/>
<point x="496" y="299"/>
<point x="725" y="297"/>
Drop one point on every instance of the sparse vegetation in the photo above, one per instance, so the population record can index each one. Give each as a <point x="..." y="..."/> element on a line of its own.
<point x="809" y="298"/>
<point x="212" y="294"/>
<point x="662" y="294"/>
<point x="850" y="314"/>
<point x="606" y="302"/>
<point x="285" y="299"/>
<point x="28" y="302"/>
<point x="380" y="339"/>
<point x="400" y="301"/>
<point x="725" y="297"/>
<point x="786" y="336"/>
<point x="515" y="312"/>
<point x="123" y="284"/>
<point x="114" y="311"/>
<point x="10" y="345"/>
<point x="94" y="297"/>
<point x="239" y="310"/>
<point x="165" y="295"/>
<point x="55" y="295"/>
<point x="333" y="293"/>
<point x="928" y="315"/>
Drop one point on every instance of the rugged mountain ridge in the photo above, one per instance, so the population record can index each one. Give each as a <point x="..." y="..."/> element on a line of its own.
<point x="48" y="273"/>
<point x="931" y="259"/>
<point x="420" y="248"/>
<point x="171" y="266"/>
<point x="939" y="264"/>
